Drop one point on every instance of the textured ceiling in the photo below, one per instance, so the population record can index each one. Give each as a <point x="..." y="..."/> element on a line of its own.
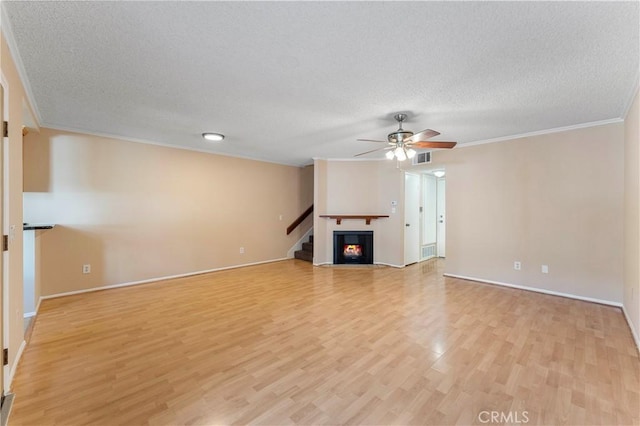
<point x="294" y="80"/>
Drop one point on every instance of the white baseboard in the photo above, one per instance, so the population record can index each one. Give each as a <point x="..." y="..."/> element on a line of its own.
<point x="298" y="245"/>
<point x="14" y="366"/>
<point x="151" y="280"/>
<point x="390" y="264"/>
<point x="38" y="306"/>
<point x="538" y="290"/>
<point x="34" y="313"/>
<point x="634" y="332"/>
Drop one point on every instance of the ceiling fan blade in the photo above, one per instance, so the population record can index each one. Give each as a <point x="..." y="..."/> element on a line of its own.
<point x="373" y="150"/>
<point x="371" y="140"/>
<point x="425" y="134"/>
<point x="432" y="144"/>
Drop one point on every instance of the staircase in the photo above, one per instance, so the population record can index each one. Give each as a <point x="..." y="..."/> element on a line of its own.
<point x="307" y="251"/>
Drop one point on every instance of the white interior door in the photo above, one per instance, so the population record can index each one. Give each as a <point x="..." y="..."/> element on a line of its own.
<point x="429" y="217"/>
<point x="2" y="263"/>
<point x="442" y="218"/>
<point x="411" y="218"/>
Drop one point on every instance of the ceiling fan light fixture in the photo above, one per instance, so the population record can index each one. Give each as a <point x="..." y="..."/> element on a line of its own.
<point x="214" y="137"/>
<point x="401" y="142"/>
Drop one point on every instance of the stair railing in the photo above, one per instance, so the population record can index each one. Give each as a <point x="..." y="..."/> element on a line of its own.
<point x="299" y="220"/>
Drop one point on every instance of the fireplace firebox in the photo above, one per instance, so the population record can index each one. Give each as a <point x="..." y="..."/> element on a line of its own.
<point x="353" y="247"/>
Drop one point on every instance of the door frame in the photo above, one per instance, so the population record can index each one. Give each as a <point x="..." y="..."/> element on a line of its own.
<point x="441" y="219"/>
<point x="3" y="293"/>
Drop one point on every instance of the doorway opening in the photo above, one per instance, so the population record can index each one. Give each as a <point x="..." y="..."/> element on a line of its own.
<point x="425" y="215"/>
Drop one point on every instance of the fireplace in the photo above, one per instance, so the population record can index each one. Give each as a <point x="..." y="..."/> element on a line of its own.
<point x="353" y="247"/>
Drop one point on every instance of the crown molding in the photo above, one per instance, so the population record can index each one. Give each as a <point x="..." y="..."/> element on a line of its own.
<point x="542" y="132"/>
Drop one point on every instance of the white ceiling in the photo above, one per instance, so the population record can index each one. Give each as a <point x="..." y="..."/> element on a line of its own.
<point x="288" y="81"/>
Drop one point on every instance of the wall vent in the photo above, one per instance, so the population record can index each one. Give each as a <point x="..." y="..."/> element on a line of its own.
<point x="422" y="158"/>
<point x="428" y="251"/>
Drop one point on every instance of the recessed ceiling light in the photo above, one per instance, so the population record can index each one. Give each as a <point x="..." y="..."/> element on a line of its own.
<point x="215" y="137"/>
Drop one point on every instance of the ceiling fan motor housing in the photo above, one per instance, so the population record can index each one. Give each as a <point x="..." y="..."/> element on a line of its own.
<point x="399" y="135"/>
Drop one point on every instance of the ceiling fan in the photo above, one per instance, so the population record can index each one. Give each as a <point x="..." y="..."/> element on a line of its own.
<point x="401" y="142"/>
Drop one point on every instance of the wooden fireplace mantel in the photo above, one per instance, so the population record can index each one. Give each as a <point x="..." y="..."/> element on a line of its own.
<point x="366" y="217"/>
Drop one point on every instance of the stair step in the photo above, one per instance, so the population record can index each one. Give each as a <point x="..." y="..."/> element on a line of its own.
<point x="303" y="255"/>
<point x="307" y="251"/>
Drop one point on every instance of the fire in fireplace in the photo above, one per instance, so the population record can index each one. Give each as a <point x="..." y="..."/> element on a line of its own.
<point x="353" y="247"/>
<point x="352" y="250"/>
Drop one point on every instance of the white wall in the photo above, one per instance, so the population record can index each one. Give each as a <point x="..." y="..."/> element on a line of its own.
<point x="359" y="187"/>
<point x="29" y="268"/>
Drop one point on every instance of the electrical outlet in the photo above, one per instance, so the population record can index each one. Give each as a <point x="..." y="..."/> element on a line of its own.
<point x="517" y="265"/>
<point x="545" y="269"/>
<point x="280" y="217"/>
<point x="241" y="250"/>
<point x="86" y="269"/>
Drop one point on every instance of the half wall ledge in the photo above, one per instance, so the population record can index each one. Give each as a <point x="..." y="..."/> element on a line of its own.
<point x="366" y="217"/>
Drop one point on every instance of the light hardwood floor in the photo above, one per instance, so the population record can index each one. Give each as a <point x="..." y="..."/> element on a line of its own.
<point x="287" y="343"/>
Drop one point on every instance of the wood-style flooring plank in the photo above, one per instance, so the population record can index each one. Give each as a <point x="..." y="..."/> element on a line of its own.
<point x="288" y="343"/>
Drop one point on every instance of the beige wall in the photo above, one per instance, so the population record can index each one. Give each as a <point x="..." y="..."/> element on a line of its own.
<point x="320" y="225"/>
<point x="554" y="199"/>
<point x="632" y="217"/>
<point x="306" y="193"/>
<point x="137" y="212"/>
<point x="359" y="187"/>
<point x="16" y="97"/>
